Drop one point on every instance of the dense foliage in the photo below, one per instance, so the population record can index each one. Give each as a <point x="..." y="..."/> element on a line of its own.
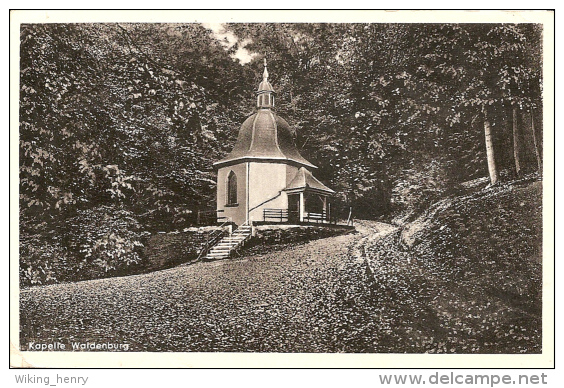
<point x="119" y="126"/>
<point x="120" y="123"/>
<point x="469" y="280"/>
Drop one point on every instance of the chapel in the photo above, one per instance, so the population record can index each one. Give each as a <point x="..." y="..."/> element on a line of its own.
<point x="265" y="178"/>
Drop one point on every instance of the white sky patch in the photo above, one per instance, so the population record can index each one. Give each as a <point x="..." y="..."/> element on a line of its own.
<point x="228" y="39"/>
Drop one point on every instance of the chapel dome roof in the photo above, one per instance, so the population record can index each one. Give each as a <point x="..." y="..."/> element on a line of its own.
<point x="265" y="136"/>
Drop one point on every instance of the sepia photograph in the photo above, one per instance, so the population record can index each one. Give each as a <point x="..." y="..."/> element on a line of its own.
<point x="282" y="185"/>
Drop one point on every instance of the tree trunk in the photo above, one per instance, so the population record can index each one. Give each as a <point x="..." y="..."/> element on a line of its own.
<point x="536" y="143"/>
<point x="516" y="144"/>
<point x="492" y="168"/>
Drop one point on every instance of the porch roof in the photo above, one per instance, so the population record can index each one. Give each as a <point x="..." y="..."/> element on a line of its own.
<point x="304" y="180"/>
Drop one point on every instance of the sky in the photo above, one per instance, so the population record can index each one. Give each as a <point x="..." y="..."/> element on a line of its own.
<point x="228" y="39"/>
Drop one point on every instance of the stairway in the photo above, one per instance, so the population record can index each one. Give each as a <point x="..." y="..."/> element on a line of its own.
<point x="225" y="247"/>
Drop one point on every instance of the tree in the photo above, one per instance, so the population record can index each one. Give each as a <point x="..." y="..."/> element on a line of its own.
<point x="516" y="142"/>
<point x="118" y="120"/>
<point x="490" y="151"/>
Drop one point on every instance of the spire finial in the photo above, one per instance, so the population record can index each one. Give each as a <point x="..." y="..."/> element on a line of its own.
<point x="265" y="73"/>
<point x="265" y="93"/>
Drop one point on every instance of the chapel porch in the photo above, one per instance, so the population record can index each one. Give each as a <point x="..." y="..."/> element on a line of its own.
<point x="307" y="199"/>
<point x="304" y="207"/>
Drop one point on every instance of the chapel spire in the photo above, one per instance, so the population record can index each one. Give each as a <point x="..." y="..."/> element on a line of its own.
<point x="265" y="72"/>
<point x="265" y="92"/>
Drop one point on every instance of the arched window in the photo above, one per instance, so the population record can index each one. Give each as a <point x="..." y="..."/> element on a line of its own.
<point x="232" y="188"/>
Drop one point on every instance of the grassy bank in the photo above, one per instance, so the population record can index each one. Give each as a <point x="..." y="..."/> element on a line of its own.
<point x="272" y="237"/>
<point x="465" y="277"/>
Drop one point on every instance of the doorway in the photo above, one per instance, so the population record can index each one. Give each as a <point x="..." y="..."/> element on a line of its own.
<point x="293" y="208"/>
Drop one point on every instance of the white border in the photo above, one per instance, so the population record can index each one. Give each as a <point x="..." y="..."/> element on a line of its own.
<point x="151" y="360"/>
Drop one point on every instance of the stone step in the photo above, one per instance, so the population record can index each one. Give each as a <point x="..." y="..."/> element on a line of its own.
<point x="231" y="241"/>
<point x="215" y="258"/>
<point x="212" y="256"/>
<point x="234" y="240"/>
<point x="228" y="244"/>
<point x="226" y="252"/>
<point x="224" y="247"/>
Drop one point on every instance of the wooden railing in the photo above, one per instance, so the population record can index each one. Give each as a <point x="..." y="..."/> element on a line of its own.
<point x="209" y="217"/>
<point x="315" y="217"/>
<point x="284" y="215"/>
<point x="275" y="214"/>
<point x="219" y="216"/>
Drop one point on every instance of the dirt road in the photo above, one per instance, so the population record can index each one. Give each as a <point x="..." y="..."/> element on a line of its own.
<point x="312" y="297"/>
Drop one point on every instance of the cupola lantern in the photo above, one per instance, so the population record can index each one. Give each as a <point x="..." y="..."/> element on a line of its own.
<point x="265" y="92"/>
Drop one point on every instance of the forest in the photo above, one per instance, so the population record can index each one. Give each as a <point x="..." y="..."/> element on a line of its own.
<point x="119" y="124"/>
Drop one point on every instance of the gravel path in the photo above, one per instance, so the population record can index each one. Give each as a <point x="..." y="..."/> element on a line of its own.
<point x="312" y="297"/>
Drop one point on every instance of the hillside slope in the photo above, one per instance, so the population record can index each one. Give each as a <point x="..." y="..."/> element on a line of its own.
<point x="466" y="277"/>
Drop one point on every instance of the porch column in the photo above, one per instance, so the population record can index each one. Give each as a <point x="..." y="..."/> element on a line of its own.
<point x="302" y="206"/>
<point x="324" y="199"/>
